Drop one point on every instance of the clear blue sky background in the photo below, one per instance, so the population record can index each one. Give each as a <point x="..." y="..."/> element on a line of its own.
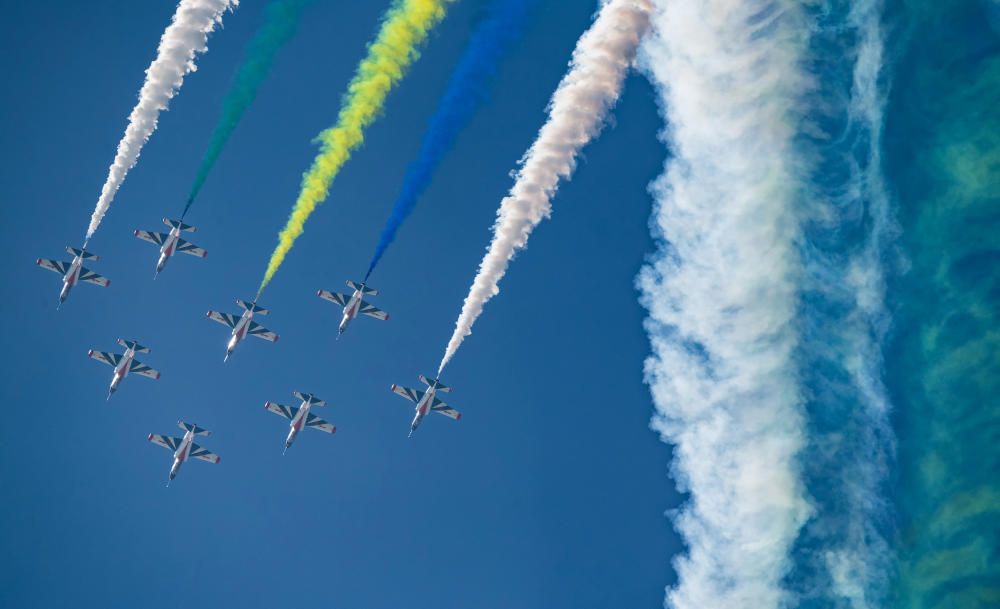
<point x="551" y="490"/>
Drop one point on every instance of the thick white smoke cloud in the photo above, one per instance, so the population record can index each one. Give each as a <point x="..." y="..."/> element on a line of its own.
<point x="722" y="292"/>
<point x="577" y="113"/>
<point x="185" y="37"/>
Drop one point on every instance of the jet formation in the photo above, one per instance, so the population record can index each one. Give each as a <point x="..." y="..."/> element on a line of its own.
<point x="240" y="326"/>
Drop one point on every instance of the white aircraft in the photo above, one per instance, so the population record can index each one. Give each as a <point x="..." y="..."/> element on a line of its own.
<point x="300" y="416"/>
<point x="353" y="304"/>
<point x="125" y="363"/>
<point x="74" y="271"/>
<point x="184" y="447"/>
<point x="426" y="401"/>
<point x="243" y="325"/>
<point x="171" y="242"/>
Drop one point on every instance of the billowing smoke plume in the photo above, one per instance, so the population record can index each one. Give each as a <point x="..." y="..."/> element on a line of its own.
<point x="185" y="37"/>
<point x="281" y="19"/>
<point x="577" y="113"/>
<point x="466" y="90"/>
<point x="722" y="294"/>
<point x="765" y="300"/>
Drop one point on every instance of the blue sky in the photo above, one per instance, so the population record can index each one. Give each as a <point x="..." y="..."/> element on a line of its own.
<point x="550" y="491"/>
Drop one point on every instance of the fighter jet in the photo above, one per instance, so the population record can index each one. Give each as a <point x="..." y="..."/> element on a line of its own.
<point x="243" y="325"/>
<point x="74" y="271"/>
<point x="184" y="447"/>
<point x="300" y="416"/>
<point x="353" y="304"/>
<point x="171" y="242"/>
<point x="125" y="363"/>
<point x="426" y="401"/>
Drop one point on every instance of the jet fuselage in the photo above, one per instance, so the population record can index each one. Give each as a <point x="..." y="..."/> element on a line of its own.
<point x="70" y="278"/>
<point x="298" y="422"/>
<point x="168" y="248"/>
<point x="350" y="311"/>
<point x="181" y="454"/>
<point x="239" y="332"/>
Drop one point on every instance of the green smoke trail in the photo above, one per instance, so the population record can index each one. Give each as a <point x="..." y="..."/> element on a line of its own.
<point x="281" y="20"/>
<point x="944" y="366"/>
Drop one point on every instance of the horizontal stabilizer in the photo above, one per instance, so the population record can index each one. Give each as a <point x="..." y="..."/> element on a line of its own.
<point x="251" y="306"/>
<point x="179" y="225"/>
<point x="308" y="397"/>
<point x="440" y="387"/>
<point x="82" y="253"/>
<point x="364" y="289"/>
<point x="198" y="431"/>
<point x="131" y="344"/>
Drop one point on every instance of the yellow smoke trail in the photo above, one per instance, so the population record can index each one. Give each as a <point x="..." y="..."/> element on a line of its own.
<point x="404" y="27"/>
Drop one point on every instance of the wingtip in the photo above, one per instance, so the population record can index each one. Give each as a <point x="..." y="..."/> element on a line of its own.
<point x="393" y="387"/>
<point x="38" y="261"/>
<point x="150" y="437"/>
<point x="90" y="352"/>
<point x="459" y="417"/>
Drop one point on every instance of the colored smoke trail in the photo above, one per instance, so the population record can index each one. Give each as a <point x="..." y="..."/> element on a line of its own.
<point x="943" y="152"/>
<point x="280" y="22"/>
<point x="467" y="89"/>
<point x="721" y="292"/>
<point x="577" y="113"/>
<point x="404" y="27"/>
<point x="184" y="38"/>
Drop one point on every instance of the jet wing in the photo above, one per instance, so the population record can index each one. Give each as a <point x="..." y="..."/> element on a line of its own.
<point x="165" y="441"/>
<point x="333" y="297"/>
<point x="110" y="359"/>
<point x="223" y="318"/>
<point x="190" y="248"/>
<point x="413" y="395"/>
<point x="371" y="311"/>
<point x="143" y="370"/>
<point x="198" y="452"/>
<point x="261" y="332"/>
<point x="154" y="238"/>
<point x="92" y="277"/>
<point x="53" y="265"/>
<point x="286" y="411"/>
<point x="318" y="423"/>
<point x="442" y="408"/>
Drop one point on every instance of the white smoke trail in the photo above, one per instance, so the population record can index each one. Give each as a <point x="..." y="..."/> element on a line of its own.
<point x="851" y="532"/>
<point x="577" y="113"/>
<point x="185" y="37"/>
<point x="722" y="292"/>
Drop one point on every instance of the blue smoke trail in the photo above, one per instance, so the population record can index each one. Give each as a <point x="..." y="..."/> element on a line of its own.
<point x="466" y="90"/>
